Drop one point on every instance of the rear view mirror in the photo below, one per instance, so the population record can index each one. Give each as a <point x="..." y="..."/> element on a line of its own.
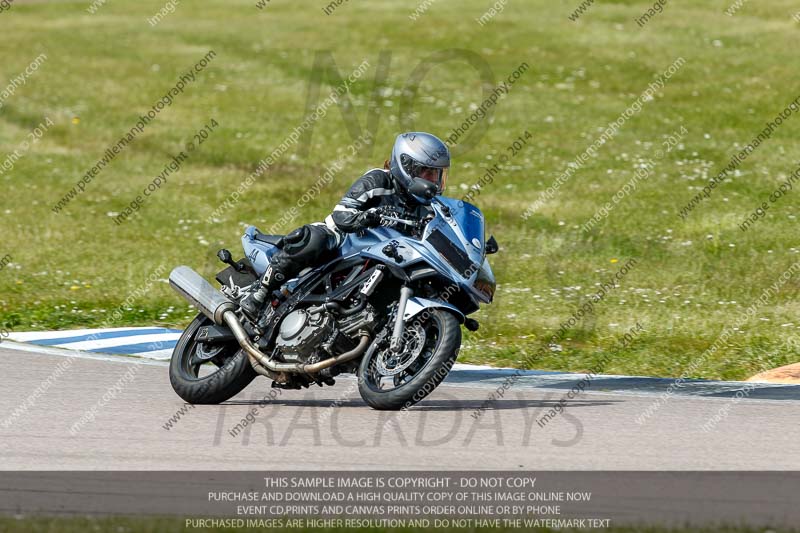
<point x="422" y="188"/>
<point x="491" y="246"/>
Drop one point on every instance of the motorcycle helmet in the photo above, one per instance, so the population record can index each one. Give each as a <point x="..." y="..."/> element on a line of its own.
<point x="419" y="155"/>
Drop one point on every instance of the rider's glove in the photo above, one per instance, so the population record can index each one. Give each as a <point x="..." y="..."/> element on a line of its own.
<point x="370" y="218"/>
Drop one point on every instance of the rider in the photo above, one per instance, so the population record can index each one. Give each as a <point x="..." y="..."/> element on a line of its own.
<point x="415" y="155"/>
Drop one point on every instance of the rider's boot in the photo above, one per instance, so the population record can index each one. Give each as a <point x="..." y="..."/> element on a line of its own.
<point x="255" y="301"/>
<point x="299" y="249"/>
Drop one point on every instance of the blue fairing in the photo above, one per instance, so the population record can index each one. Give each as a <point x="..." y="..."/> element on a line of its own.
<point x="459" y="228"/>
<point x="354" y="242"/>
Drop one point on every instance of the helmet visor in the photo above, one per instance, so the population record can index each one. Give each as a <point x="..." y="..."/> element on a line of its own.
<point x="437" y="176"/>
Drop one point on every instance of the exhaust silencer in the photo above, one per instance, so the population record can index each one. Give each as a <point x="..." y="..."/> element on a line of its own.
<point x="200" y="293"/>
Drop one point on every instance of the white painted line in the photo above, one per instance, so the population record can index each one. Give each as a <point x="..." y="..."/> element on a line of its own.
<point x="121" y="341"/>
<point x="59" y="352"/>
<point x="25" y="336"/>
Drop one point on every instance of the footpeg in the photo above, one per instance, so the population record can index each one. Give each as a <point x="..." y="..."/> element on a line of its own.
<point x="225" y="256"/>
<point x="286" y="386"/>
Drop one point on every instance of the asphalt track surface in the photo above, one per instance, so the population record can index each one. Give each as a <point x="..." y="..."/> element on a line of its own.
<point x="703" y="426"/>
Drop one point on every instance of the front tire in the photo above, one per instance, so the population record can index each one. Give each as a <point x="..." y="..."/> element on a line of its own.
<point x="233" y="372"/>
<point x="441" y="339"/>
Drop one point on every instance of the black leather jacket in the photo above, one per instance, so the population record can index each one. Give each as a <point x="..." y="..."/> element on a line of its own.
<point x="376" y="188"/>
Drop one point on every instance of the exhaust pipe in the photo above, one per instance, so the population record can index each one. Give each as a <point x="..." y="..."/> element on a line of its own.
<point x="212" y="303"/>
<point x="260" y="359"/>
<point x="200" y="293"/>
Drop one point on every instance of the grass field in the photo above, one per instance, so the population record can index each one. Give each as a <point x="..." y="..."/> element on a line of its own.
<point x="692" y="278"/>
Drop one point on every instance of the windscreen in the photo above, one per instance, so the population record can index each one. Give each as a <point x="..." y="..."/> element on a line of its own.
<point x="472" y="224"/>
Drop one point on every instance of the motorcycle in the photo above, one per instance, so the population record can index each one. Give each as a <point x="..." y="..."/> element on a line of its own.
<point x="388" y="308"/>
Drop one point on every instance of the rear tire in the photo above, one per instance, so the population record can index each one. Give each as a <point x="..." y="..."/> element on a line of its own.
<point x="233" y="374"/>
<point x="425" y="379"/>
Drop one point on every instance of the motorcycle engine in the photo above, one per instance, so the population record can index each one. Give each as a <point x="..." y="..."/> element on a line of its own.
<point x="301" y="334"/>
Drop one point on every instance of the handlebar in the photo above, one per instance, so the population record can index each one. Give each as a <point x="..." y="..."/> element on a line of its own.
<point x="389" y="218"/>
<point x="412" y="223"/>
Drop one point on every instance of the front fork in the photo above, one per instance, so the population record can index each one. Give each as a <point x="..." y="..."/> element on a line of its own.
<point x="397" y="335"/>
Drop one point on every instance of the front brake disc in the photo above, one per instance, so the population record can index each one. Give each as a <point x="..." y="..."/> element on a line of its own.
<point x="389" y="363"/>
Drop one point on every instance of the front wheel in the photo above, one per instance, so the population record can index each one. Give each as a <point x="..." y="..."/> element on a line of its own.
<point x="393" y="381"/>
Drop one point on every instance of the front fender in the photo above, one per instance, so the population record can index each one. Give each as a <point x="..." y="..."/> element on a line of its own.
<point x="416" y="305"/>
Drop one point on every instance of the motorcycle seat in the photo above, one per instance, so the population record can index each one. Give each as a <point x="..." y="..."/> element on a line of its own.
<point x="274" y="240"/>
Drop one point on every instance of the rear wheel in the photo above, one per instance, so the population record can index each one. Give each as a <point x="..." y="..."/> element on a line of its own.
<point x="392" y="381"/>
<point x="230" y="369"/>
